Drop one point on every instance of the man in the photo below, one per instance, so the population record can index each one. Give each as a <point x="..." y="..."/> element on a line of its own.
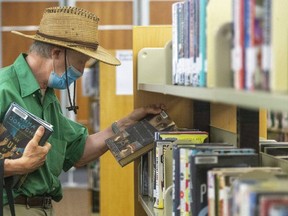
<point x="65" y="41"/>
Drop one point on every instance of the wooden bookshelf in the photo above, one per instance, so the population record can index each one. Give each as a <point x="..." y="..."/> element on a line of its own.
<point x="231" y="111"/>
<point x="181" y="104"/>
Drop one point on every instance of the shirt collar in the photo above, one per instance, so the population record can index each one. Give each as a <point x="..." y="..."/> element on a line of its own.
<point x="27" y="81"/>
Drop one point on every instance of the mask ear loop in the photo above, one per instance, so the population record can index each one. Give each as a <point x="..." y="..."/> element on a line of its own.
<point x="71" y="107"/>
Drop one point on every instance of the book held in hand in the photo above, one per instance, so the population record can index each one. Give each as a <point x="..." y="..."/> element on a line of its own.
<point x="17" y="129"/>
<point x="138" y="139"/>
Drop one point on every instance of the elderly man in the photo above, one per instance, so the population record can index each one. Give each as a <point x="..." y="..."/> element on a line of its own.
<point x="67" y="38"/>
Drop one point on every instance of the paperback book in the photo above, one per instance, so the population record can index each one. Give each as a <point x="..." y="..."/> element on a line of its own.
<point x="138" y="139"/>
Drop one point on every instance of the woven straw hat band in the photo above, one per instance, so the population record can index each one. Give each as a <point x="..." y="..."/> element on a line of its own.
<point x="67" y="26"/>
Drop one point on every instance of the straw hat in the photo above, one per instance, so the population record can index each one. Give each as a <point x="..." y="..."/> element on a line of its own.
<point x="73" y="28"/>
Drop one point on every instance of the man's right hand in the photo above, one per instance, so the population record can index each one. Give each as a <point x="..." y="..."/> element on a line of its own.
<point x="33" y="156"/>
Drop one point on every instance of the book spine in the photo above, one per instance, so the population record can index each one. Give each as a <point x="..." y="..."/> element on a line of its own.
<point x="191" y="39"/>
<point x="266" y="46"/>
<point x="186" y="43"/>
<point x="196" y="67"/>
<point x="175" y="43"/>
<point x="182" y="181"/>
<point x="187" y="193"/>
<point x="211" y="193"/>
<point x="176" y="181"/>
<point x="202" y="47"/>
<point x="238" y="44"/>
<point x="158" y="193"/>
<point x="248" y="43"/>
<point x="181" y="29"/>
<point x="151" y="156"/>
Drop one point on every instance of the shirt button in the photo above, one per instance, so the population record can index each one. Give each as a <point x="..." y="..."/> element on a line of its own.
<point x="53" y="188"/>
<point x="33" y="95"/>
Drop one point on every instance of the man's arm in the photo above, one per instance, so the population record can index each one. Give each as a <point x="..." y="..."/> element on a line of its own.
<point x="95" y="144"/>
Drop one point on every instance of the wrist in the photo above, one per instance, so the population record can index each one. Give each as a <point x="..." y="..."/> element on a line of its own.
<point x="12" y="167"/>
<point x="115" y="127"/>
<point x="121" y="124"/>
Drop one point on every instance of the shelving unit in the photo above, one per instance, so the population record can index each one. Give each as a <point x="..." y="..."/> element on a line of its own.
<point x="182" y="102"/>
<point x="253" y="100"/>
<point x="234" y="116"/>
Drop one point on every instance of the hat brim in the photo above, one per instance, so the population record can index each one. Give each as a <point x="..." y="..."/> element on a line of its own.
<point x="100" y="54"/>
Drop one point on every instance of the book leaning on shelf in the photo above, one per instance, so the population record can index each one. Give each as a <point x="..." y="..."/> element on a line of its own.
<point x="16" y="130"/>
<point x="136" y="140"/>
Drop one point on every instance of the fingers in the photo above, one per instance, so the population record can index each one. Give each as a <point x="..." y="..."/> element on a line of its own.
<point x="154" y="108"/>
<point x="47" y="146"/>
<point x="38" y="135"/>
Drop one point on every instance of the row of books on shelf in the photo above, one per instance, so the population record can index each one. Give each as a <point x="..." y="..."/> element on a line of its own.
<point x="250" y="59"/>
<point x="203" y="178"/>
<point x="180" y="167"/>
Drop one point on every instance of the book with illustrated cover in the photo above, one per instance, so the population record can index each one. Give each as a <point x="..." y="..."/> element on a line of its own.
<point x="138" y="139"/>
<point x="17" y="129"/>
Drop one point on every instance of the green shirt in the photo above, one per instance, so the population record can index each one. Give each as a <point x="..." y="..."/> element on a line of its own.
<point x="18" y="84"/>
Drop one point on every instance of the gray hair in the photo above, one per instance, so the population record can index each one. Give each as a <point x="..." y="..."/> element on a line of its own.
<point x="42" y="49"/>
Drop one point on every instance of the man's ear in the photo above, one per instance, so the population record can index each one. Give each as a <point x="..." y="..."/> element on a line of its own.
<point x="56" y="52"/>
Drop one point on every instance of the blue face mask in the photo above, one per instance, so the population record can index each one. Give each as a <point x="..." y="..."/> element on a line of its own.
<point x="59" y="82"/>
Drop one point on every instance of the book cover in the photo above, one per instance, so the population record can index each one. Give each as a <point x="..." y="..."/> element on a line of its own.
<point x="138" y="139"/>
<point x="278" y="210"/>
<point x="268" y="201"/>
<point x="247" y="188"/>
<point x="204" y="160"/>
<point x="219" y="186"/>
<point x="263" y="145"/>
<point x="251" y="193"/>
<point x="176" y="172"/>
<point x="177" y="177"/>
<point x="17" y="129"/>
<point x="276" y="151"/>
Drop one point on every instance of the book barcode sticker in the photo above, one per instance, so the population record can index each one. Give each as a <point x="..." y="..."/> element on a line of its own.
<point x="20" y="113"/>
<point x="163" y="115"/>
<point x="206" y="160"/>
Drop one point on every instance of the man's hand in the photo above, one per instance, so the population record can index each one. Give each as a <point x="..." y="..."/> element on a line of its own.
<point x="33" y="156"/>
<point x="139" y="114"/>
